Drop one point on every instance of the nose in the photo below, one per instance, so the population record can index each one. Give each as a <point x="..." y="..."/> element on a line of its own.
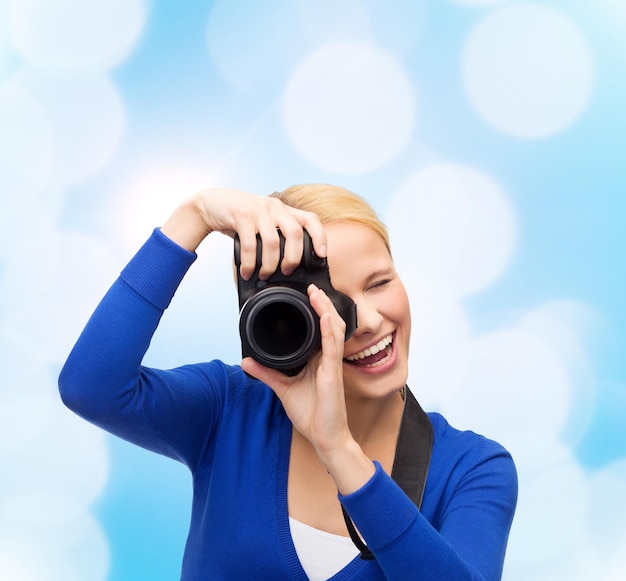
<point x="369" y="319"/>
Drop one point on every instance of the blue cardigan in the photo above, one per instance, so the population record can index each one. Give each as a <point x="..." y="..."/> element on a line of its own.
<point x="233" y="434"/>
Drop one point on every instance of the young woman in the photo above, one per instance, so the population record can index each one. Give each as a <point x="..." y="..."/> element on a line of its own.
<point x="275" y="458"/>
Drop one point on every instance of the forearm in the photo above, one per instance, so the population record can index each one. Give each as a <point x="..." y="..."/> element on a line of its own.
<point x="404" y="543"/>
<point x="459" y="534"/>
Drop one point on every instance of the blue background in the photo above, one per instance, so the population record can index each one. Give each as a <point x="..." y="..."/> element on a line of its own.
<point x="489" y="135"/>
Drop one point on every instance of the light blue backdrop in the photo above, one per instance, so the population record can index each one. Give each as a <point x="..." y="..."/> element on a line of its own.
<point x="490" y="135"/>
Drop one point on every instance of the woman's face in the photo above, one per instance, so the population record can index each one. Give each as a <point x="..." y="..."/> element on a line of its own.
<point x="376" y="356"/>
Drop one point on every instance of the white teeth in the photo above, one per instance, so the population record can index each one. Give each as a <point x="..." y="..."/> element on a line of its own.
<point x="382" y="344"/>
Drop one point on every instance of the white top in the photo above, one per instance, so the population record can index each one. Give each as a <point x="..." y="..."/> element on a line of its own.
<point x="321" y="554"/>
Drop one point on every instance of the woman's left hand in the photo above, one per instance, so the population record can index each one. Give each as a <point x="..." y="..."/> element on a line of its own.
<point x="314" y="399"/>
<point x="315" y="402"/>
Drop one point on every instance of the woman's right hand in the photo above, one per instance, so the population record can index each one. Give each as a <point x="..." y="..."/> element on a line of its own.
<point x="235" y="212"/>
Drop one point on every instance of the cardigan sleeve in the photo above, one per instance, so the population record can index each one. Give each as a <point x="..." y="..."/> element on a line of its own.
<point x="103" y="379"/>
<point x="470" y="539"/>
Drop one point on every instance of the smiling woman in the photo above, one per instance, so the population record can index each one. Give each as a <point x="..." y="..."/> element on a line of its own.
<point x="321" y="447"/>
<point x="485" y="132"/>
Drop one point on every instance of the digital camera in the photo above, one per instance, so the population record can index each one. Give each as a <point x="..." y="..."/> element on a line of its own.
<point x="277" y="324"/>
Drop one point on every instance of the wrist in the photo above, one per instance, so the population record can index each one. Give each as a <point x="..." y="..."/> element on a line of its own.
<point x="187" y="225"/>
<point x="348" y="465"/>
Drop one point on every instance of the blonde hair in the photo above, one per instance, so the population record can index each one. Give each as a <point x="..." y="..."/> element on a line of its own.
<point x="333" y="205"/>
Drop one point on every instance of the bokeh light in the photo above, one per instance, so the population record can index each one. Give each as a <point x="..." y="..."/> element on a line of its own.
<point x="71" y="33"/>
<point x="456" y="224"/>
<point x="528" y="70"/>
<point x="86" y="114"/>
<point x="349" y="108"/>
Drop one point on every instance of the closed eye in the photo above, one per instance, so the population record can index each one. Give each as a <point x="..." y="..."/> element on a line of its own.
<point x="379" y="283"/>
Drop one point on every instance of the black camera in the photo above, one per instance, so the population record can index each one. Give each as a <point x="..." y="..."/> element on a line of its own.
<point x="277" y="325"/>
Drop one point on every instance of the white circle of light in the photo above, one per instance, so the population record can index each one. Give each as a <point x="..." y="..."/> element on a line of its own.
<point x="507" y="373"/>
<point x="527" y="70"/>
<point x="74" y="33"/>
<point x="457" y="223"/>
<point x="349" y="108"/>
<point x="87" y="114"/>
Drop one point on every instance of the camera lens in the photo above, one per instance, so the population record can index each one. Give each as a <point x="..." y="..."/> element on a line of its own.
<point x="279" y="328"/>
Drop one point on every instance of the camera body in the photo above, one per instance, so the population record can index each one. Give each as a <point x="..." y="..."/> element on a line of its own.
<point x="277" y="325"/>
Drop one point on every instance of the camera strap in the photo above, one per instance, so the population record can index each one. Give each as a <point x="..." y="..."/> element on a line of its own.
<point x="410" y="464"/>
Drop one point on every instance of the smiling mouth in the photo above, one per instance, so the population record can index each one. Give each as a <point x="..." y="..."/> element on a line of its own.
<point x="372" y="356"/>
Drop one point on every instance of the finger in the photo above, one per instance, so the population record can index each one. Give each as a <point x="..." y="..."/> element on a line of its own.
<point x="270" y="248"/>
<point x="312" y="224"/>
<point x="321" y="304"/>
<point x="329" y="376"/>
<point x="332" y="329"/>
<point x="292" y="227"/>
<point x="294" y="243"/>
<point x="332" y="345"/>
<point x="258" y="216"/>
<point x="247" y="251"/>
<point x="278" y="216"/>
